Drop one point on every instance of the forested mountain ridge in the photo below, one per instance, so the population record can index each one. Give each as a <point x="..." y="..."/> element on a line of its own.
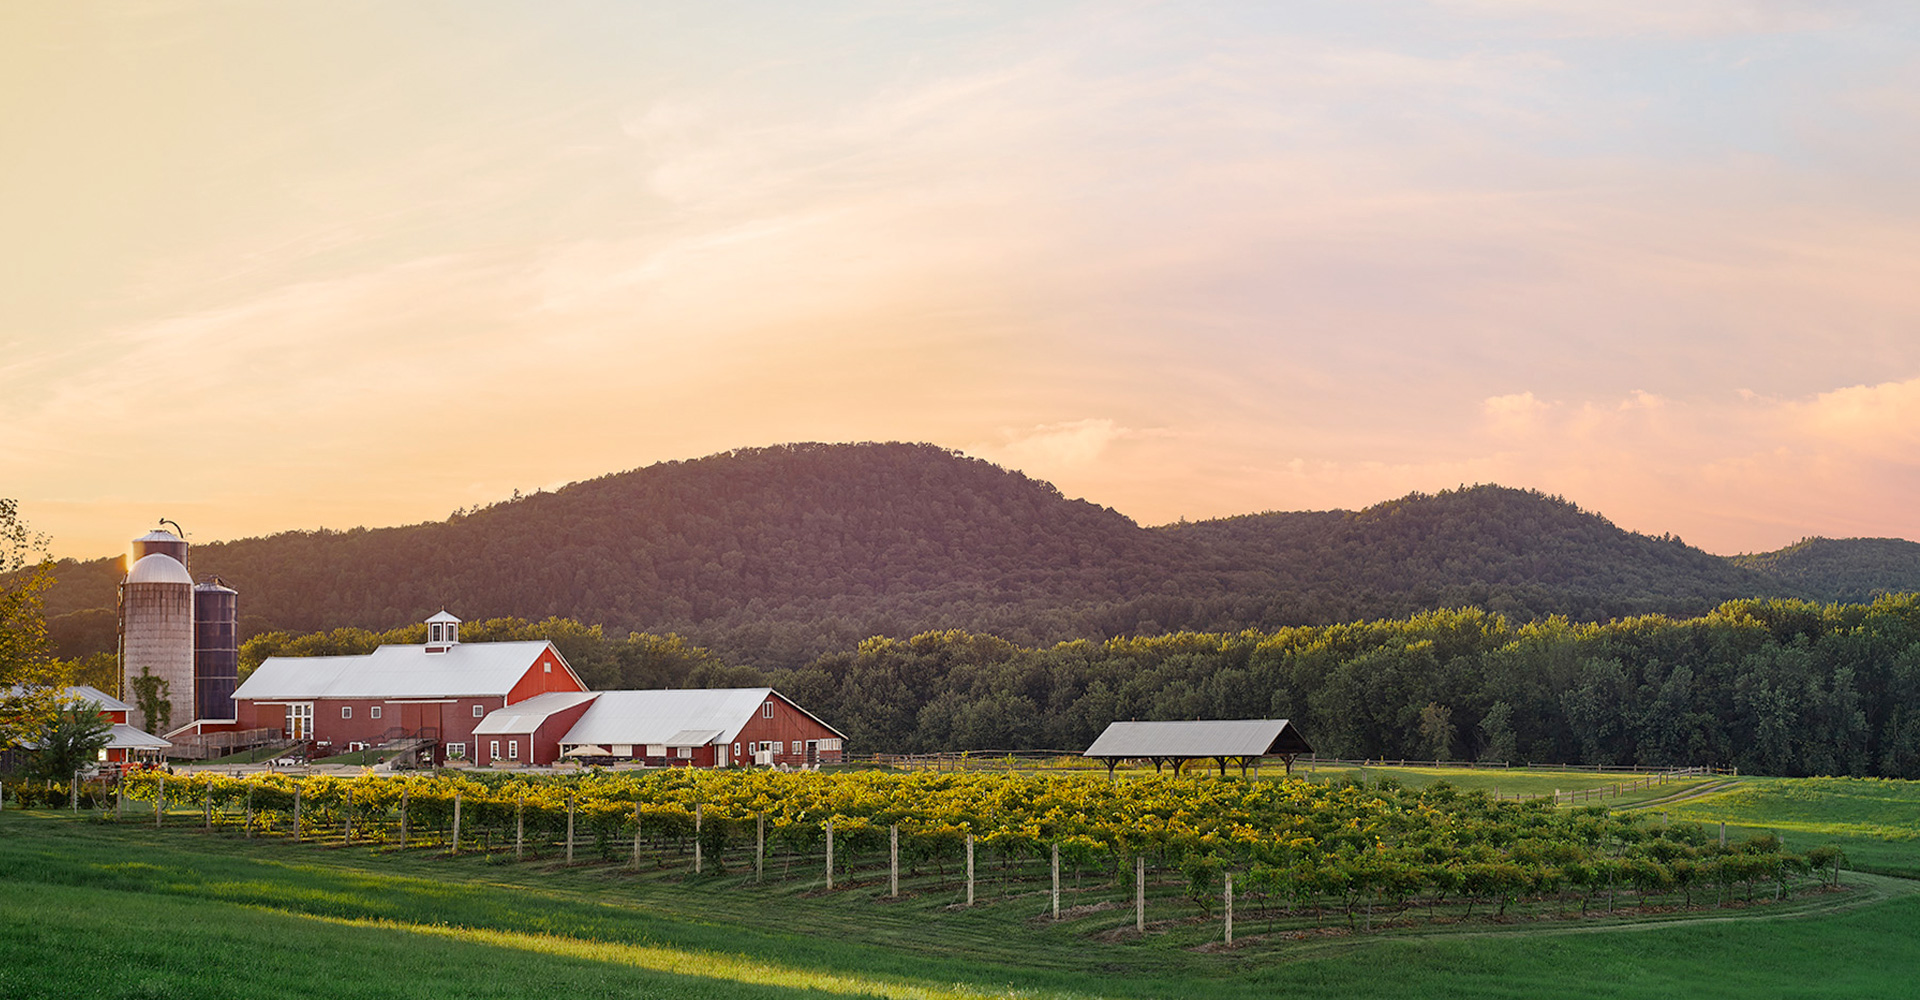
<point x="771" y="556"/>
<point x="1843" y="569"/>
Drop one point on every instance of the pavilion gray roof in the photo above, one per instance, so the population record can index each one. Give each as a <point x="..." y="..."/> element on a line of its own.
<point x="1210" y="738"/>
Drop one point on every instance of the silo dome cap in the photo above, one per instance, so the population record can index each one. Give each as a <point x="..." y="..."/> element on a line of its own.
<point x="157" y="535"/>
<point x="159" y="568"/>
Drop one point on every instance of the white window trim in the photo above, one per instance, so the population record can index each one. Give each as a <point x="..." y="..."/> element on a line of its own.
<point x="346" y="711"/>
<point x="493" y="751"/>
<point x="373" y="712"/>
<point x="513" y="749"/>
<point x="479" y="711"/>
<point x="766" y="710"/>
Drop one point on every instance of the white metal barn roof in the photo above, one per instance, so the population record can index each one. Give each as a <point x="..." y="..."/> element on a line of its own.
<point x="463" y="670"/>
<point x="673" y="717"/>
<point x="526" y="716"/>
<point x="87" y="692"/>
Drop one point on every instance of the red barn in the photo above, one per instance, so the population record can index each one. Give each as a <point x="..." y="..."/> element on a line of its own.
<point x="439" y="691"/>
<point x="702" y="728"/>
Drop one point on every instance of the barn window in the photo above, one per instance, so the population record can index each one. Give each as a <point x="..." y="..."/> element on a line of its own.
<point x="546" y="668"/>
<point x="513" y="749"/>
<point x="686" y="752"/>
<point x="493" y="750"/>
<point x="433" y="633"/>
<point x="374" y="712"/>
<point x="346" y="711"/>
<point x="478" y="711"/>
<point x="456" y="751"/>
<point x="766" y="710"/>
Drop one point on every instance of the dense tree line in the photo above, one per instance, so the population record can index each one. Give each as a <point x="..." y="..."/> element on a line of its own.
<point x="1770" y="686"/>
<point x="1775" y="687"/>
<point x="774" y="556"/>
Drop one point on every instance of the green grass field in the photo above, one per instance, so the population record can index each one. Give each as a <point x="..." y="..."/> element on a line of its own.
<point x="97" y="909"/>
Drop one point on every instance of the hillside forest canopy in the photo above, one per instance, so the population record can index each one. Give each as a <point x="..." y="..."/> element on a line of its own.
<point x="773" y="557"/>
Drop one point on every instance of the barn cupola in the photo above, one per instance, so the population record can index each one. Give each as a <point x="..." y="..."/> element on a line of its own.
<point x="443" y="632"/>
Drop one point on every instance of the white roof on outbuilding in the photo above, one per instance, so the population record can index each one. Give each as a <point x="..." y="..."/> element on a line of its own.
<point x="473" y="669"/>
<point x="87" y="692"/>
<point x="1205" y="738"/>
<point x="674" y="717"/>
<point x="126" y="737"/>
<point x="526" y="716"/>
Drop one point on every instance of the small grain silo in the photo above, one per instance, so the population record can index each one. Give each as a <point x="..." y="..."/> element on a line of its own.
<point x="216" y="649"/>
<point x="156" y="627"/>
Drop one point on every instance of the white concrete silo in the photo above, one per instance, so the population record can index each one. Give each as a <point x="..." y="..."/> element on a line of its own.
<point x="156" y="632"/>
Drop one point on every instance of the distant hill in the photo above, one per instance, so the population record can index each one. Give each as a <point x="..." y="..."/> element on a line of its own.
<point x="773" y="555"/>
<point x="1842" y="569"/>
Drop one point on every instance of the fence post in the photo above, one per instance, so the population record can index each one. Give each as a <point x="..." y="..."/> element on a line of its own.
<point x="569" y="829"/>
<point x="1723" y="833"/>
<point x="159" y="801"/>
<point x="698" y="810"/>
<point x="636" y="835"/>
<point x="1140" y="893"/>
<point x="829" y="855"/>
<point x="969" y="869"/>
<point x="893" y="859"/>
<point x="1229" y="907"/>
<point x="759" y="845"/>
<point x="1056" y="881"/>
<point x="405" y="798"/>
<point x="297" y="789"/>
<point x="455" y="847"/>
<point x="519" y="825"/>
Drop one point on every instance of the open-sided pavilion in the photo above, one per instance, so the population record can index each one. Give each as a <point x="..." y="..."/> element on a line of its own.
<point x="1244" y="741"/>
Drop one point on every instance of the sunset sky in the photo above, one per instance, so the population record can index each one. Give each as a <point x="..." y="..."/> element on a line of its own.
<point x="288" y="265"/>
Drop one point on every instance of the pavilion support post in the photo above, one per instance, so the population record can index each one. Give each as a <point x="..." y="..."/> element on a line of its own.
<point x="969" y="869"/>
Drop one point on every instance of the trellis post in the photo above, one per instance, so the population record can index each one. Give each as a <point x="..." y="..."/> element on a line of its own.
<point x="636" y="835"/>
<point x="206" y="807"/>
<point x="893" y="859"/>
<point x="455" y="847"/>
<point x="349" y="842"/>
<point x="297" y="789"/>
<point x="1140" y="893"/>
<point x="829" y="855"/>
<point x="1228" y="909"/>
<point x="519" y="825"/>
<point x="119" y="798"/>
<point x="405" y="794"/>
<point x="159" y="801"/>
<point x="569" y="829"/>
<point x="73" y="792"/>
<point x="969" y="869"/>
<point x="249" y="810"/>
<point x="1056" y="881"/>
<point x="698" y="810"/>
<point x="759" y="845"/>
